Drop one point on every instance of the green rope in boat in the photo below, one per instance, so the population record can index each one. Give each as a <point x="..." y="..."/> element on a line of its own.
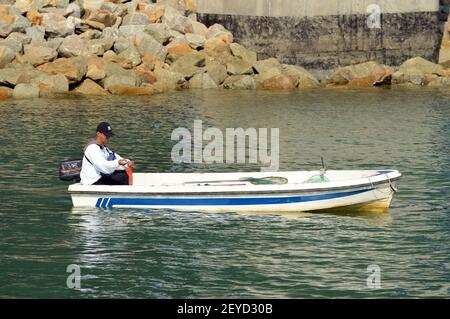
<point x="272" y="180"/>
<point x="317" y="179"/>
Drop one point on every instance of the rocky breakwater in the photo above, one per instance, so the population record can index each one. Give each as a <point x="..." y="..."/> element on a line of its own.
<point x="94" y="47"/>
<point x="413" y="72"/>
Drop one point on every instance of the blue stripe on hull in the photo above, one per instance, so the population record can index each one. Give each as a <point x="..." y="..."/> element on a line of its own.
<point x="224" y="201"/>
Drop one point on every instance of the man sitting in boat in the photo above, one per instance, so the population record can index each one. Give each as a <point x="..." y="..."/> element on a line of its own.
<point x="101" y="166"/>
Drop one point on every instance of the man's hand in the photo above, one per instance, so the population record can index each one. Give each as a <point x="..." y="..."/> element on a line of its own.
<point x="126" y="162"/>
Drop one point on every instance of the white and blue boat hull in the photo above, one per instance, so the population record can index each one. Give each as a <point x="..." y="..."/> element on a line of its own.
<point x="224" y="192"/>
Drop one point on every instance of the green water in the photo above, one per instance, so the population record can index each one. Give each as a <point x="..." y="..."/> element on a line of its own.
<point x="168" y="254"/>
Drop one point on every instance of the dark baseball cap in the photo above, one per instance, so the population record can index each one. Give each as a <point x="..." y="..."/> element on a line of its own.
<point x="105" y="128"/>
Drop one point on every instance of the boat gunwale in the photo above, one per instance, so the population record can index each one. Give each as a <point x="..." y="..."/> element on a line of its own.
<point x="234" y="193"/>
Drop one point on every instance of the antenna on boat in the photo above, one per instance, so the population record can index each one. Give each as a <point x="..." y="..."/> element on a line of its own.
<point x="323" y="169"/>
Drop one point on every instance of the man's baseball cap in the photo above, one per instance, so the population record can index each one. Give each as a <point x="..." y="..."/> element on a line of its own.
<point x="105" y="128"/>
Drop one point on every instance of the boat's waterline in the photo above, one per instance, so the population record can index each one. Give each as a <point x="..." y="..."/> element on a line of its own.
<point x="358" y="190"/>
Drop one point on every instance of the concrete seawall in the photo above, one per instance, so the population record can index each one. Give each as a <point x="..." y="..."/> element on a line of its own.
<point x="321" y="35"/>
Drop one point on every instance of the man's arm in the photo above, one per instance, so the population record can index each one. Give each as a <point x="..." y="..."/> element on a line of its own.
<point x="95" y="155"/>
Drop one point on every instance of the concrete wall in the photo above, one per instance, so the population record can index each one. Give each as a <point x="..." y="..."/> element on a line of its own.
<point x="311" y="8"/>
<point x="324" y="34"/>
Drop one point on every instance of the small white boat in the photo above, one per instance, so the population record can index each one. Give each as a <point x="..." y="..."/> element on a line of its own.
<point x="295" y="191"/>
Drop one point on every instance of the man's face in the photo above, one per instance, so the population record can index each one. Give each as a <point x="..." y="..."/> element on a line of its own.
<point x="102" y="138"/>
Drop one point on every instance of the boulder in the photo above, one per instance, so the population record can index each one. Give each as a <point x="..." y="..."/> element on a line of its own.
<point x="171" y="11"/>
<point x="146" y="44"/>
<point x="245" y="82"/>
<point x="145" y="73"/>
<point x="52" y="84"/>
<point x="416" y="71"/>
<point x="216" y="71"/>
<point x="177" y="40"/>
<point x="422" y="65"/>
<point x="104" y="16"/>
<point x="20" y="37"/>
<point x="117" y="10"/>
<point x="6" y="55"/>
<point x="13" y="44"/>
<point x="202" y="81"/>
<point x="35" y="17"/>
<point x="120" y="60"/>
<point x="87" y="24"/>
<point x="190" y="5"/>
<point x="264" y="65"/>
<point x="280" y="82"/>
<point x="181" y="24"/>
<point x="57" y="3"/>
<point x="168" y="80"/>
<point x="444" y="52"/>
<point x="5" y="92"/>
<point x="112" y="67"/>
<point x="130" y="31"/>
<point x="10" y="76"/>
<point x="190" y="64"/>
<point x="73" y="68"/>
<point x="199" y="28"/>
<point x="364" y="74"/>
<point x="27" y="5"/>
<point x="54" y="43"/>
<point x="119" y="79"/>
<point x="24" y="90"/>
<point x="218" y="31"/>
<point x="36" y="33"/>
<point x="136" y="18"/>
<point x="11" y="20"/>
<point x="175" y="52"/>
<point x="195" y="41"/>
<point x="217" y="47"/>
<point x="243" y="53"/>
<point x="72" y="46"/>
<point x="304" y="78"/>
<point x="238" y="66"/>
<point x="39" y="54"/>
<point x="440" y="82"/>
<point x="121" y="44"/>
<point x="132" y="55"/>
<point x="159" y="31"/>
<point x="89" y="87"/>
<point x="31" y="76"/>
<point x="91" y="34"/>
<point x="96" y="68"/>
<point x="57" y="25"/>
<point x="150" y="61"/>
<point x="154" y="12"/>
<point x="267" y="74"/>
<point x="97" y="46"/>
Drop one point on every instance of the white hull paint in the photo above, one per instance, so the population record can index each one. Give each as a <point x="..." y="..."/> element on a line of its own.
<point x="223" y="192"/>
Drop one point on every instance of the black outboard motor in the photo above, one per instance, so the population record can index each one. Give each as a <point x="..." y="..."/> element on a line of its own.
<point x="69" y="170"/>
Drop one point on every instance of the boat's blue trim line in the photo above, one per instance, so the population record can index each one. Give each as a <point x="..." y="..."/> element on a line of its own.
<point x="223" y="201"/>
<point x="385" y="172"/>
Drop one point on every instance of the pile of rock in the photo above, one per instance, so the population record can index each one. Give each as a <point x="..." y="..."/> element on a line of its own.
<point x="136" y="47"/>
<point x="413" y="72"/>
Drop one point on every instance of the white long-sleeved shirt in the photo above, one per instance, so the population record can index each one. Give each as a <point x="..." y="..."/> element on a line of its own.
<point x="90" y="173"/>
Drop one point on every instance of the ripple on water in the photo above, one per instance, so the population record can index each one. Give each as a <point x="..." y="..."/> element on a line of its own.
<point x="169" y="254"/>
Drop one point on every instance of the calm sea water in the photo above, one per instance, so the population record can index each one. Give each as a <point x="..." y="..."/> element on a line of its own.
<point x="169" y="254"/>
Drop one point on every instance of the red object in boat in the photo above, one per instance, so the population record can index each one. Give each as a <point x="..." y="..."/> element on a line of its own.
<point x="129" y="172"/>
